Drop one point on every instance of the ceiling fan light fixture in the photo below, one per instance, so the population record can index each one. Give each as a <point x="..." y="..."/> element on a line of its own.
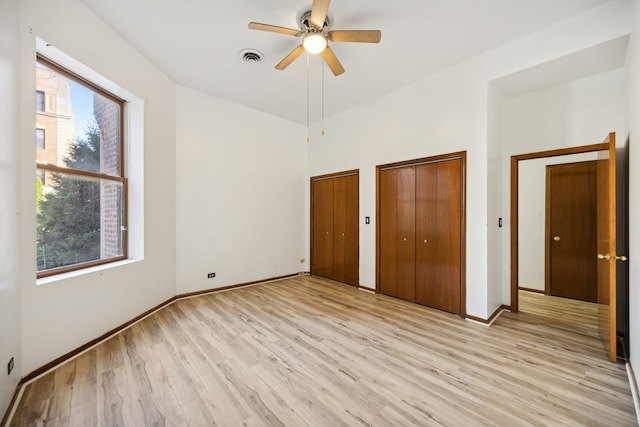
<point x="314" y="42"/>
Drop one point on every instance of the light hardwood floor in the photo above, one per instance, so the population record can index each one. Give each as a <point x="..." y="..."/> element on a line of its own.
<point x="306" y="351"/>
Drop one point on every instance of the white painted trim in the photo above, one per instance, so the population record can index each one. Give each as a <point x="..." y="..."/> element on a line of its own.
<point x="634" y="389"/>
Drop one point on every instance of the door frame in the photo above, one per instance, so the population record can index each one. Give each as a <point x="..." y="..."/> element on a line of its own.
<point x="514" y="202"/>
<point x="462" y="155"/>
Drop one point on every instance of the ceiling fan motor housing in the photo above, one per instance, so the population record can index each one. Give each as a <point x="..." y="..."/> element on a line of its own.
<point x="305" y="22"/>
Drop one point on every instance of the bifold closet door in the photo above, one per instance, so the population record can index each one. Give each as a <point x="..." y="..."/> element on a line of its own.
<point x="334" y="227"/>
<point x="421" y="231"/>
<point x="322" y="228"/>
<point x="397" y="232"/>
<point x="345" y="226"/>
<point x="438" y="235"/>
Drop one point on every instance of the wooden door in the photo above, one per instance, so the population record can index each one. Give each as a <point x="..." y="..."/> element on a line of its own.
<point x="439" y="235"/>
<point x="396" y="221"/>
<point x="345" y="229"/>
<point x="571" y="231"/>
<point x="322" y="227"/>
<point x="606" y="246"/>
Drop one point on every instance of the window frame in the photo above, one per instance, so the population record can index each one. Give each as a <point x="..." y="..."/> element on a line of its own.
<point x="121" y="178"/>
<point x="41" y="94"/>
<point x="44" y="138"/>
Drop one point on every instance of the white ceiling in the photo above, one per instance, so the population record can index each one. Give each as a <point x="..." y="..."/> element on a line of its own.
<point x="197" y="44"/>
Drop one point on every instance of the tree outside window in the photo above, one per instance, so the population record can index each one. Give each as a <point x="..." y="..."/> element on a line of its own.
<point x="81" y="188"/>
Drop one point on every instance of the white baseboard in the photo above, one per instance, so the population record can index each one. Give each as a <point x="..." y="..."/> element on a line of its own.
<point x="634" y="389"/>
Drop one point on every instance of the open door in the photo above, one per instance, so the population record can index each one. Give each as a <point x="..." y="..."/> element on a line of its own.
<point x="606" y="232"/>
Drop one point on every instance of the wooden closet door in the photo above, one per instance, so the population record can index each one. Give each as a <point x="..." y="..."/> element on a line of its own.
<point x="345" y="226"/>
<point x="439" y="232"/>
<point x="322" y="228"/>
<point x="397" y="232"/>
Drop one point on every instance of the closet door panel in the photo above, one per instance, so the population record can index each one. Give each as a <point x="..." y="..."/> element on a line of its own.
<point x="397" y="236"/>
<point x="388" y="223"/>
<point x="322" y="232"/>
<point x="406" y="277"/>
<point x="438" y="225"/>
<point x="345" y="240"/>
<point x="447" y="275"/>
<point x="426" y="233"/>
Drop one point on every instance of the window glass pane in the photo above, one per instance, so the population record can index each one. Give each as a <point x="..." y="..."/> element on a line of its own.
<point x="40" y="139"/>
<point x="79" y="220"/>
<point x="84" y="132"/>
<point x="39" y="100"/>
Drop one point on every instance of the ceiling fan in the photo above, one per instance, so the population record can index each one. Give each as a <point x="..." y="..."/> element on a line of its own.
<point x="314" y="38"/>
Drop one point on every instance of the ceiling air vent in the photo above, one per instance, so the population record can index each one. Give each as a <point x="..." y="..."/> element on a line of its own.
<point x="251" y="56"/>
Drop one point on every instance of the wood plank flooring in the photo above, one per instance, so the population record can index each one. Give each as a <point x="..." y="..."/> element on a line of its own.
<point x="310" y="352"/>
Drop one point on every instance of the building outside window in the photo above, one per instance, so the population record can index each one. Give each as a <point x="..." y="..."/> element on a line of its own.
<point x="80" y="182"/>
<point x="39" y="101"/>
<point x="39" y="139"/>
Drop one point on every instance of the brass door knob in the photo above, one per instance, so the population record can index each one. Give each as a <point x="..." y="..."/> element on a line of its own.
<point x="614" y="257"/>
<point x="556" y="238"/>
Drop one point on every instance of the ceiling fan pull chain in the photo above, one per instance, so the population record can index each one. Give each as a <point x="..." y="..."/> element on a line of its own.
<point x="307" y="97"/>
<point x="322" y="65"/>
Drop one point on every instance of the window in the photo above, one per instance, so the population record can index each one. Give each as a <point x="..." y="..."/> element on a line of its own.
<point x="40" y="101"/>
<point x="39" y="139"/>
<point x="81" y="212"/>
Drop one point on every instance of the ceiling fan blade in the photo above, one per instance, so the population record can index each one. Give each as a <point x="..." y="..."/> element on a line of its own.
<point x="319" y="12"/>
<point x="358" y="36"/>
<point x="274" y="29"/>
<point x="295" y="53"/>
<point x="332" y="61"/>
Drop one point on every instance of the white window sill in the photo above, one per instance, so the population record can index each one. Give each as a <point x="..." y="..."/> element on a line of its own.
<point x="84" y="271"/>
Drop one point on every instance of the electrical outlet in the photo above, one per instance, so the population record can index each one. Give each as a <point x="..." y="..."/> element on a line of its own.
<point x="10" y="366"/>
<point x="211" y="275"/>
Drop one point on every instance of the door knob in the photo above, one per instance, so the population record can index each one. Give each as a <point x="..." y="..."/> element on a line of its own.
<point x="556" y="238"/>
<point x="405" y="239"/>
<point x="426" y="241"/>
<point x="610" y="257"/>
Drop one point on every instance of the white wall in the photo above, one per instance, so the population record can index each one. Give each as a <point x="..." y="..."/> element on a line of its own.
<point x="531" y="216"/>
<point x="605" y="23"/>
<point x="580" y="112"/>
<point x="495" y="209"/>
<point x="9" y="237"/>
<point x="440" y="114"/>
<point x="66" y="313"/>
<point x="633" y="97"/>
<point x="445" y="112"/>
<point x="450" y="111"/>
<point x="241" y="189"/>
